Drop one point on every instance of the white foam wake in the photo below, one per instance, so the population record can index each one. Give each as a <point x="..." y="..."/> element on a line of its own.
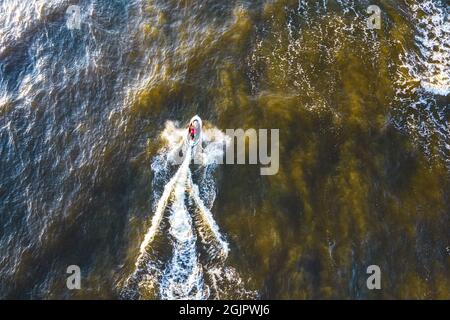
<point x="423" y="82"/>
<point x="430" y="65"/>
<point x="183" y="277"/>
<point x="177" y="179"/>
<point x="172" y="262"/>
<point x="207" y="219"/>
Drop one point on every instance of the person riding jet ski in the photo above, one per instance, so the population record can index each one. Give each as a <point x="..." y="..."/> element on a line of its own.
<point x="192" y="131"/>
<point x="195" y="131"/>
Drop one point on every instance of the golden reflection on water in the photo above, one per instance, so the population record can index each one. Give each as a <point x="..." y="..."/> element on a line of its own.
<point x="351" y="191"/>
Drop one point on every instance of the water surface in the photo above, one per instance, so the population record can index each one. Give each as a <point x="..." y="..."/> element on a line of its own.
<point x="90" y="117"/>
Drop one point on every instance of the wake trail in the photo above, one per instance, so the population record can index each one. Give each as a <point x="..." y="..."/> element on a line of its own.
<point x="207" y="219"/>
<point x="183" y="253"/>
<point x="181" y="174"/>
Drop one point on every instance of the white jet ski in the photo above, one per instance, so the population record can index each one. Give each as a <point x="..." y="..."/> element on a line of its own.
<point x="194" y="135"/>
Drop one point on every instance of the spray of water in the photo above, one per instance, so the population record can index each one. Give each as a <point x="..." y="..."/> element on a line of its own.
<point x="183" y="253"/>
<point x="430" y="64"/>
<point x="424" y="85"/>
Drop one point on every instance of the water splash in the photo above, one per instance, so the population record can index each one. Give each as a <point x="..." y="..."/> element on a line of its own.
<point x="430" y="64"/>
<point x="423" y="84"/>
<point x="184" y="226"/>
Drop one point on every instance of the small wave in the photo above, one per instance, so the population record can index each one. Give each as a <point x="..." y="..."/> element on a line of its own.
<point x="430" y="64"/>
<point x="423" y="82"/>
<point x="22" y="19"/>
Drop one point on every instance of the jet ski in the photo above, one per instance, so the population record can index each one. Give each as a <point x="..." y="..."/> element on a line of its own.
<point x="194" y="135"/>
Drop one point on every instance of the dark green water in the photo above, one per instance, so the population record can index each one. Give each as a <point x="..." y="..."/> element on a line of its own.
<point x="364" y="144"/>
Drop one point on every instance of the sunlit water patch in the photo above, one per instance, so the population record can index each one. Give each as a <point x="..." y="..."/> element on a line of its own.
<point x="58" y="90"/>
<point x="85" y="179"/>
<point x="423" y="86"/>
<point x="429" y="65"/>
